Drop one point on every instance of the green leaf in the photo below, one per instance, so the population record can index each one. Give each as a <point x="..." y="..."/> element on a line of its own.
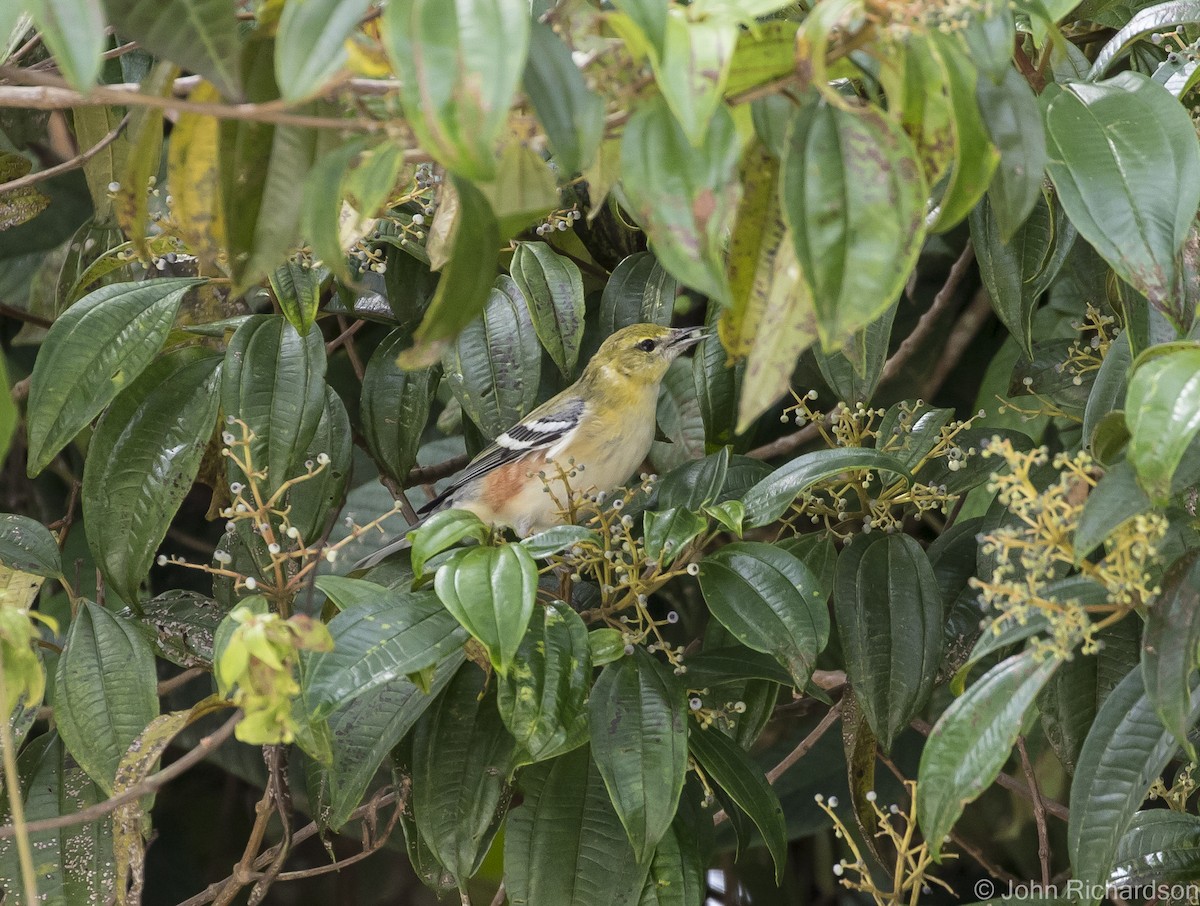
<point x="973" y="738"/>
<point x="889" y="617"/>
<point x="461" y="761"/>
<point x="734" y="664"/>
<point x="679" y="419"/>
<point x="975" y="158"/>
<point x="365" y="730"/>
<point x="321" y="202"/>
<point x="606" y="645"/>
<point x="524" y="191"/>
<point x="91" y="353"/>
<point x="570" y="112"/>
<point x="1159" y="17"/>
<point x="1125" y="750"/>
<point x="1126" y="163"/>
<point x="398" y="634"/>
<point x="729" y="767"/>
<point x="1115" y="498"/>
<point x="200" y="35"/>
<point x="558" y="538"/>
<point x="466" y="280"/>
<point x="310" y="44"/>
<point x="543" y="697"/>
<point x="639" y="291"/>
<point x="553" y="290"/>
<point x="853" y="372"/>
<point x="105" y="691"/>
<point x="297" y="289"/>
<point x="770" y="498"/>
<point x="274" y="381"/>
<point x="693" y="485"/>
<point x="142" y="462"/>
<point x="564" y="844"/>
<point x="1162" y="410"/>
<point x="442" y="531"/>
<point x="670" y="531"/>
<point x="1171" y="647"/>
<point x="74" y="33"/>
<point x="1017" y="270"/>
<point x="718" y="384"/>
<point x="1014" y="122"/>
<point x="28" y="547"/>
<point x="394" y="407"/>
<point x="771" y="318"/>
<point x="857" y="218"/>
<point x="491" y="591"/>
<point x="1160" y="847"/>
<point x="676" y="875"/>
<point x="770" y="601"/>
<point x="639" y="741"/>
<point x="693" y="68"/>
<point x="1108" y="388"/>
<point x="455" y="88"/>
<point x="180" y="626"/>
<point x="684" y="197"/>
<point x="313" y="500"/>
<point x="494" y="366"/>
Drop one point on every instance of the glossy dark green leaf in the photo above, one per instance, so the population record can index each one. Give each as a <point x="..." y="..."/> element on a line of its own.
<point x="491" y="591"/>
<point x="398" y="634"/>
<point x="553" y="289"/>
<point x="853" y="372"/>
<point x="730" y="768"/>
<point x="1011" y="115"/>
<point x="456" y="89"/>
<point x="1161" y="846"/>
<point x="321" y="205"/>
<point x="691" y="486"/>
<point x="494" y="366"/>
<point x="683" y="196"/>
<point x="310" y="44"/>
<point x="297" y="288"/>
<point x="718" y="383"/>
<point x="274" y="381"/>
<point x="676" y="876"/>
<point x="313" y="501"/>
<point x="442" y="531"/>
<point x="638" y="291"/>
<point x="1115" y="498"/>
<point x="910" y="431"/>
<point x="606" y="646"/>
<point x="669" y="531"/>
<point x="731" y="664"/>
<point x="73" y="31"/>
<point x="973" y="738"/>
<point x="466" y="280"/>
<point x="1017" y="270"/>
<point x="143" y="459"/>
<point x="28" y="547"/>
<point x="638" y="718"/>
<point x="563" y="844"/>
<point x="1126" y="749"/>
<point x="1108" y="389"/>
<point x="770" y="601"/>
<point x="200" y="35"/>
<point x="543" y="697"/>
<point x="889" y="616"/>
<point x="1162" y="410"/>
<point x="1156" y="17"/>
<point x="559" y="538"/>
<point x="93" y="352"/>
<point x="770" y="498"/>
<point x="571" y="114"/>
<point x="679" y="420"/>
<point x="180" y="626"/>
<point x="394" y="407"/>
<point x="462" y="757"/>
<point x="857" y="219"/>
<point x="365" y="731"/>
<point x="1171" y="647"/>
<point x="1126" y="162"/>
<point x="105" y="691"/>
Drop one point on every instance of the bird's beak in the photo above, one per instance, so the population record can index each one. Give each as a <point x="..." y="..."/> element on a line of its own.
<point x="683" y="338"/>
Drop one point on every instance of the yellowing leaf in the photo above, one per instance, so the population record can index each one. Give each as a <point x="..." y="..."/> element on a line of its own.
<point x="193" y="176"/>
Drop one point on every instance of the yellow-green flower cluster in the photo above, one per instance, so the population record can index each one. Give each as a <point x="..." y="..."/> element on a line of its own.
<point x="257" y="666"/>
<point x="1038" y="548"/>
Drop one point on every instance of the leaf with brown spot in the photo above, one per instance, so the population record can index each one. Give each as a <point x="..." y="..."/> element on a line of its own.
<point x="194" y="178"/>
<point x="18" y="205"/>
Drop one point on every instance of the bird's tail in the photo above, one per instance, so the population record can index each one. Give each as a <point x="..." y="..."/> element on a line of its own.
<point x="401" y="543"/>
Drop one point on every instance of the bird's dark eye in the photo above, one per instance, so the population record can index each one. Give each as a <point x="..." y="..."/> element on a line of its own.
<point x="647" y="345"/>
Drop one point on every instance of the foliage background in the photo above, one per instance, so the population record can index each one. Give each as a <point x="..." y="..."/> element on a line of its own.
<point x="266" y="266"/>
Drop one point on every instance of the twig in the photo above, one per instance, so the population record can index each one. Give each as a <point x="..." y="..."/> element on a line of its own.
<point x="797" y="753"/>
<point x="276" y="758"/>
<point x="787" y="443"/>
<point x="205" y="747"/>
<point x="167" y="686"/>
<point x="500" y="896"/>
<point x="990" y="867"/>
<point x="1039" y="812"/>
<point x="346" y="339"/>
<point x="347" y="333"/>
<point x="969" y="323"/>
<point x="27" y="317"/>
<point x="430" y="474"/>
<point x="66" y="166"/>
<point x="241" y="875"/>
<point x="932" y="316"/>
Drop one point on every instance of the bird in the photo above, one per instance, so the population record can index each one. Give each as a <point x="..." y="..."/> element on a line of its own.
<point x="600" y="429"/>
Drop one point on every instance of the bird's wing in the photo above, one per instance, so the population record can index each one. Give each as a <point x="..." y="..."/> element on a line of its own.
<point x="542" y="429"/>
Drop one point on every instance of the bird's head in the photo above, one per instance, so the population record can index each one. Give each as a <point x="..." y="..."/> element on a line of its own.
<point x="642" y="352"/>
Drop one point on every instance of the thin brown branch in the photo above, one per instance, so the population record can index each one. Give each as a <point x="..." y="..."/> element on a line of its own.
<point x="346" y="334"/>
<point x="965" y="329"/>
<point x="430" y="474"/>
<point x="787" y="443"/>
<point x="1039" y="812"/>
<point x="242" y="872"/>
<point x="929" y="320"/>
<point x="30" y="179"/>
<point x="167" y="686"/>
<point x="204" y="748"/>
<point x="501" y="895"/>
<point x="24" y="316"/>
<point x="346" y="339"/>
<point x="986" y="864"/>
